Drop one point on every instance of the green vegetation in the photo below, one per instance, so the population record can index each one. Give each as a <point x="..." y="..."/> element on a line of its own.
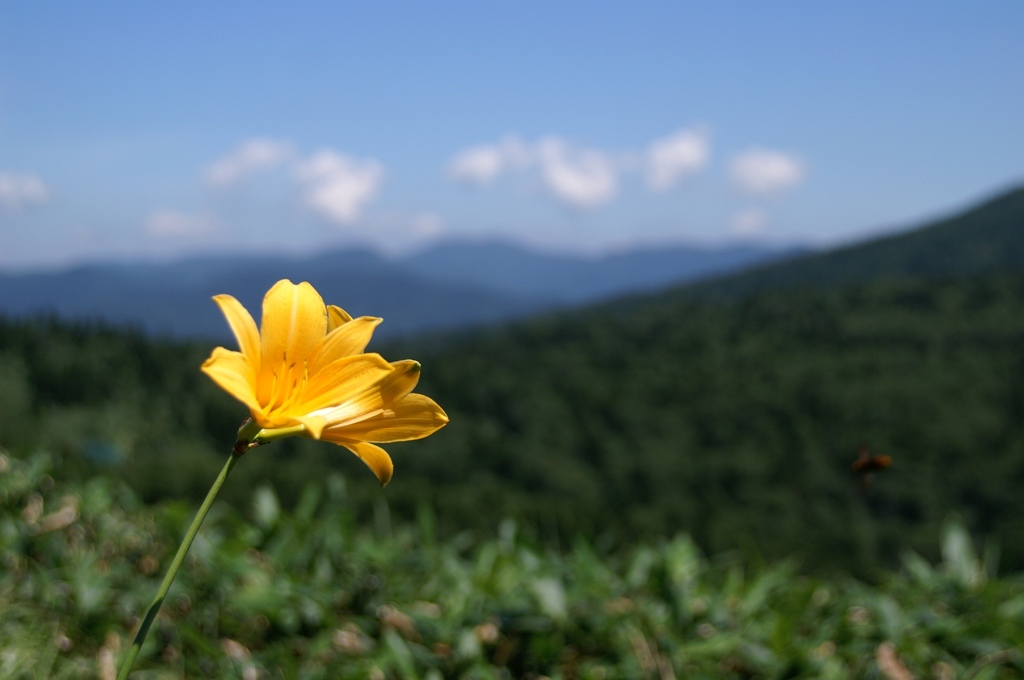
<point x="738" y="422"/>
<point x="735" y="423"/>
<point x="314" y="593"/>
<point x="628" y="441"/>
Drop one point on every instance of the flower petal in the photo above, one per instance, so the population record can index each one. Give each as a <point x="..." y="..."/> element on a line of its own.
<point x="336" y="316"/>
<point x="294" y="322"/>
<point x="347" y="388"/>
<point x="376" y="458"/>
<point x="293" y="327"/>
<point x="401" y="382"/>
<point x="243" y="326"/>
<point x="233" y="372"/>
<point x="413" y="417"/>
<point x="345" y="340"/>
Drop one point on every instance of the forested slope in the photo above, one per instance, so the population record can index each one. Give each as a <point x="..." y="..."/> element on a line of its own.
<point x="739" y="422"/>
<point x="734" y="422"/>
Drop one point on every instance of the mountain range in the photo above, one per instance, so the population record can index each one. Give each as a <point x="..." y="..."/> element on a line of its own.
<point x="458" y="284"/>
<point x="450" y="285"/>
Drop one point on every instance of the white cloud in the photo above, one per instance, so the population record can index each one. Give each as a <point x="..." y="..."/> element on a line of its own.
<point x="338" y="186"/>
<point x="21" y="191"/>
<point x="169" y="223"/>
<point x="580" y="177"/>
<point x="482" y="164"/>
<point x="763" y="171"/>
<point x="583" y="178"/>
<point x="672" y="158"/>
<point x="479" y="165"/>
<point x="252" y="156"/>
<point x="749" y="222"/>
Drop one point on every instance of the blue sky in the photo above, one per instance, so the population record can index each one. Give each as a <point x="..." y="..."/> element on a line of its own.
<point x="140" y="130"/>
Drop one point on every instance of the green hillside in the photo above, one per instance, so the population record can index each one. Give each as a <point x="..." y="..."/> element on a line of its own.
<point x="983" y="239"/>
<point x="735" y="420"/>
<point x="736" y="423"/>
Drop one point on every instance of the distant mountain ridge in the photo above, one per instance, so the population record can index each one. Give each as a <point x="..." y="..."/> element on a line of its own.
<point x="982" y="239"/>
<point x="451" y="285"/>
<point x="458" y="284"/>
<point x="576" y="279"/>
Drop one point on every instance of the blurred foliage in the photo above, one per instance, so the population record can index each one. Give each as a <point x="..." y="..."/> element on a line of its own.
<point x="735" y="422"/>
<point x="738" y="422"/>
<point x="314" y="593"/>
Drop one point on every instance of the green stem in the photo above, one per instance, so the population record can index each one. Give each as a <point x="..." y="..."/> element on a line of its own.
<point x="172" y="571"/>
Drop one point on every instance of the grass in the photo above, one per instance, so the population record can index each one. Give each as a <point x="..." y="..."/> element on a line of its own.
<point x="314" y="594"/>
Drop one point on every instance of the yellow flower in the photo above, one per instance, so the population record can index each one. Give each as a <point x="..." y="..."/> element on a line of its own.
<point x="304" y="373"/>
